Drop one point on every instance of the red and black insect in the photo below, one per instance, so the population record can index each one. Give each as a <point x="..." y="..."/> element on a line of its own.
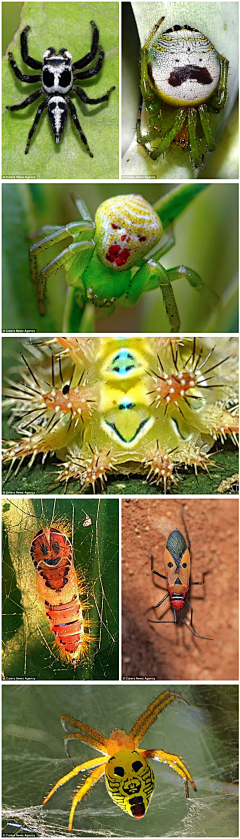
<point x="59" y="589"/>
<point x="177" y="558"/>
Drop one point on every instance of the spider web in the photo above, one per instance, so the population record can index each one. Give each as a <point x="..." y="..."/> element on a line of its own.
<point x="29" y="650"/>
<point x="204" y="734"/>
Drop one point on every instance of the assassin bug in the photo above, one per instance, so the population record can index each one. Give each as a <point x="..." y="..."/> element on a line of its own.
<point x="177" y="559"/>
<point x="129" y="777"/>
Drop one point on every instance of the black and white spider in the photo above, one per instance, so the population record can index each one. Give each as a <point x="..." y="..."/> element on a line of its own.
<point x="58" y="74"/>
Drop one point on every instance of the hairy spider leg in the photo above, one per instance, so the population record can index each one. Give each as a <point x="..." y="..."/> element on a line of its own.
<point x="40" y="110"/>
<point x="85" y="98"/>
<point x="88" y="734"/>
<point x="32" y="62"/>
<point x="219" y="98"/>
<point x="22" y="76"/>
<point x="152" y="274"/>
<point x="77" y="65"/>
<point x="57" y="234"/>
<point x="92" y="71"/>
<point x="75" y="119"/>
<point x="28" y="101"/>
<point x="167" y="138"/>
<point x="148" y="717"/>
<point x="174" y="762"/>
<point x="84" y="248"/>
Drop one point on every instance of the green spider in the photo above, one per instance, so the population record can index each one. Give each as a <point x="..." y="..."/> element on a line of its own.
<point x="116" y="258"/>
<point x="183" y="71"/>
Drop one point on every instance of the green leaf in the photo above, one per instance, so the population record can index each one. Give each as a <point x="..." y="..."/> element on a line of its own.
<point x="67" y="25"/>
<point x="173" y="204"/>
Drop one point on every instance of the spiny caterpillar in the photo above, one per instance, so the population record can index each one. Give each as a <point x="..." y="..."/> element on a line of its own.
<point x="59" y="589"/>
<point x="123" y="405"/>
<point x="58" y="584"/>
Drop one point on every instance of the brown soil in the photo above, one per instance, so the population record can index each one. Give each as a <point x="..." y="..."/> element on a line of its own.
<point x="161" y="651"/>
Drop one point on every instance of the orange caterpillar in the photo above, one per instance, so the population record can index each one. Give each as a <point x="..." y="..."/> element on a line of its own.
<point x="59" y="589"/>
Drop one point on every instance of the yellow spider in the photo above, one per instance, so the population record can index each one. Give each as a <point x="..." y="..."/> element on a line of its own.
<point x="128" y="775"/>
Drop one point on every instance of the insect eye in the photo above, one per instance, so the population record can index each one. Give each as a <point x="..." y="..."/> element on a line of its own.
<point x="170" y="564"/>
<point x="136" y="765"/>
<point x="119" y="771"/>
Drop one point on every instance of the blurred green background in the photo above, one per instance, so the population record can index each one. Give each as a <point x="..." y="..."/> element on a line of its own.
<point x="29" y="651"/>
<point x="206" y="240"/>
<point x="204" y="734"/>
<point x="10" y="21"/>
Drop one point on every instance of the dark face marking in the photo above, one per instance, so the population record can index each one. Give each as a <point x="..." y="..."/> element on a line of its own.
<point x="48" y="78"/>
<point x="137" y="765"/>
<point x="119" y="771"/>
<point x="137" y="806"/>
<point x="193" y="72"/>
<point x="55" y="547"/>
<point x="44" y="549"/>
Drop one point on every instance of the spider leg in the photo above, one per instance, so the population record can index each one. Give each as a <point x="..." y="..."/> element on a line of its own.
<point x="146" y="719"/>
<point x="166" y="139"/>
<point x="85" y="98"/>
<point x="75" y="119"/>
<point x="35" y="123"/>
<point x="205" y="123"/>
<point x="218" y="100"/>
<point x="90" y="55"/>
<point x="28" y="101"/>
<point x="174" y="761"/>
<point x="22" y="76"/>
<point x="89" y="764"/>
<point x="92" y="70"/>
<point x="150" y="276"/>
<point x="196" y="282"/>
<point x="32" y="62"/>
<point x="90" y="781"/>
<point x="65" y="256"/>
<point x="90" y="735"/>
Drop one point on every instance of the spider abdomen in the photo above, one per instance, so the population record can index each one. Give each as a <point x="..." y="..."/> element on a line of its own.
<point x="127" y="228"/>
<point x="184" y="67"/>
<point x="57" y="112"/>
<point x="130" y="781"/>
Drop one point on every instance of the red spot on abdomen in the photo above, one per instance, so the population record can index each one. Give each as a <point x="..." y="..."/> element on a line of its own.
<point x="117" y="254"/>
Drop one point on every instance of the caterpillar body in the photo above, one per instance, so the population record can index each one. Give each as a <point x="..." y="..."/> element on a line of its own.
<point x="59" y="589"/>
